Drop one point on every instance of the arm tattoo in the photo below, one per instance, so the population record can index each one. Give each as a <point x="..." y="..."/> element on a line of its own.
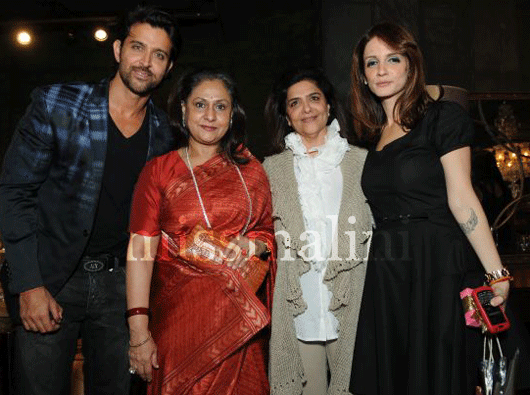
<point x="471" y="223"/>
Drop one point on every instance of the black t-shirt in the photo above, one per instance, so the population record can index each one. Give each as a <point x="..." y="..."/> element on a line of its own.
<point x="124" y="161"/>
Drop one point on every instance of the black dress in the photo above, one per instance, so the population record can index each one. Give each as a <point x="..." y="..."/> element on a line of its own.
<point x="412" y="337"/>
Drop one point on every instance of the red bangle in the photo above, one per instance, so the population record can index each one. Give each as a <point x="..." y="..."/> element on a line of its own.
<point x="500" y="280"/>
<point x="136" y="311"/>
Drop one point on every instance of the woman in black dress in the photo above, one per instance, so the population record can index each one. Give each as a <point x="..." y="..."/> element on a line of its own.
<point x="430" y="227"/>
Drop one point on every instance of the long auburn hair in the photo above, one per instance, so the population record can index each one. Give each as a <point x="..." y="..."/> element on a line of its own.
<point x="368" y="114"/>
<point x="232" y="142"/>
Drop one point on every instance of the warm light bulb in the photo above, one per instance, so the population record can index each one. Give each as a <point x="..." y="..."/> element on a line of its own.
<point x="100" y="35"/>
<point x="500" y="156"/>
<point x="24" y="37"/>
<point x="513" y="155"/>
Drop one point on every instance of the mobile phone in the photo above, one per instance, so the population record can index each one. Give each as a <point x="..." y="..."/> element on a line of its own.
<point x="493" y="316"/>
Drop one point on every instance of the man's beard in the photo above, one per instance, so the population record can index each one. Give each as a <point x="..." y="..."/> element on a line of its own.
<point x="139" y="88"/>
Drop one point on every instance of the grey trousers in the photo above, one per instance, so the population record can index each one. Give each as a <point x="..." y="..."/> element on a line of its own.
<point x="316" y="358"/>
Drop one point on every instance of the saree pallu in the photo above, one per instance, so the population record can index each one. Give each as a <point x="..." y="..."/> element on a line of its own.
<point x="205" y="324"/>
<point x="210" y="328"/>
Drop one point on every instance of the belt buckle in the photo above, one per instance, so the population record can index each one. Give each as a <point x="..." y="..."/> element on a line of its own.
<point x="93" y="265"/>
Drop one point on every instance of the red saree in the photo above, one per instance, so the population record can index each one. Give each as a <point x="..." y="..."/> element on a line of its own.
<point x="206" y="321"/>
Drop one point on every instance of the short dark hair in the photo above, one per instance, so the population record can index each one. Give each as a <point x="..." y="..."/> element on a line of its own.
<point x="232" y="142"/>
<point x="156" y="17"/>
<point x="276" y="105"/>
<point x="368" y="114"/>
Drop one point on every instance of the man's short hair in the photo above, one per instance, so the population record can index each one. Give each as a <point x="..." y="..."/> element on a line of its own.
<point x="156" y="17"/>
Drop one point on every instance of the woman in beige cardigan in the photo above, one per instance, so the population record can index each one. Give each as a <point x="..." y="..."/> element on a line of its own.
<point x="322" y="224"/>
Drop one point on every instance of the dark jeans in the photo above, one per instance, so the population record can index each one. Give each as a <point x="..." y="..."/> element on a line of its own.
<point x="94" y="308"/>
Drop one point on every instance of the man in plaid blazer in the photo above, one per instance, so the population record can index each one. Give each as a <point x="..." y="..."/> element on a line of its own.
<point x="65" y="193"/>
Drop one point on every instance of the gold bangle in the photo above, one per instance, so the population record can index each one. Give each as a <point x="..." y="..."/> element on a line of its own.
<point x="497" y="274"/>
<point x="142" y="342"/>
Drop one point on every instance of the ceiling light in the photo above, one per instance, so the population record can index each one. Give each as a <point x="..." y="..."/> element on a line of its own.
<point x="101" y="34"/>
<point x="24" y="37"/>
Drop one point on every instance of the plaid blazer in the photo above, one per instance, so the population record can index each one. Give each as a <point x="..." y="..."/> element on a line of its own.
<point x="51" y="178"/>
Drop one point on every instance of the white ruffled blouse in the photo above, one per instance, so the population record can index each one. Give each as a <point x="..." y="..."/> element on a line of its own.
<point x="319" y="179"/>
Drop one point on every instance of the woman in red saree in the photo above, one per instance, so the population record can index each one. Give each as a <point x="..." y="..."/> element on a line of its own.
<point x="196" y="325"/>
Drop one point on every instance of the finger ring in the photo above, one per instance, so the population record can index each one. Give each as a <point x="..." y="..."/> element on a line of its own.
<point x="243" y="252"/>
<point x="132" y="370"/>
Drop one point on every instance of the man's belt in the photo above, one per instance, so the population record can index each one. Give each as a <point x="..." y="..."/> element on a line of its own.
<point x="98" y="263"/>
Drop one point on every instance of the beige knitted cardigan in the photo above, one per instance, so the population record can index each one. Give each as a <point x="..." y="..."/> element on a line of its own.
<point x="344" y="277"/>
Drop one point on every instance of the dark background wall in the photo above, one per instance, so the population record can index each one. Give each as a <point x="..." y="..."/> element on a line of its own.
<point x="480" y="45"/>
<point x="252" y="42"/>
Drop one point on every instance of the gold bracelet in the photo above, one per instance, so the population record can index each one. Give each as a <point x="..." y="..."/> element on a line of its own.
<point x="142" y="342"/>
<point x="497" y="274"/>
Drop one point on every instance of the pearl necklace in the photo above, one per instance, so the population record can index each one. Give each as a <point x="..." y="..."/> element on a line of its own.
<point x="200" y="197"/>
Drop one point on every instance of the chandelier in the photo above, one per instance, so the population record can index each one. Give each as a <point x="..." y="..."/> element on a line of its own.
<point x="510" y="161"/>
<point x="513" y="158"/>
